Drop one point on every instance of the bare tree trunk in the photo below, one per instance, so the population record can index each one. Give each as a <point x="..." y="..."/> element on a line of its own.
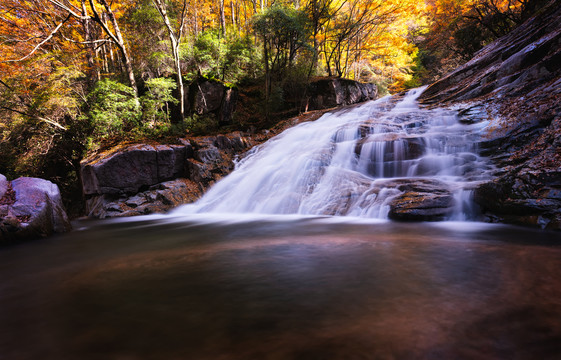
<point x="116" y="37"/>
<point x="222" y="18"/>
<point x="196" y="18"/>
<point x="93" y="72"/>
<point x="174" y="41"/>
<point x="267" y="77"/>
<point x="233" y="10"/>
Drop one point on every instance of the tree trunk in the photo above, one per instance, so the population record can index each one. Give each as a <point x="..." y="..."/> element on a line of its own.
<point x="174" y="41"/>
<point x="233" y="10"/>
<point x="93" y="71"/>
<point x="222" y="18"/>
<point x="117" y="38"/>
<point x="267" y="77"/>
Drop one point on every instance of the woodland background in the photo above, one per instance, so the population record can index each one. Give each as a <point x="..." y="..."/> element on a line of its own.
<point x="79" y="75"/>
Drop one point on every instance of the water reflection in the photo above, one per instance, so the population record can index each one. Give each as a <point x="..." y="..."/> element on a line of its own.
<point x="282" y="288"/>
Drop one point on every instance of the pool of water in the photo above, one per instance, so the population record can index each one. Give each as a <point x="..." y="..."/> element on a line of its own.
<point x="282" y="287"/>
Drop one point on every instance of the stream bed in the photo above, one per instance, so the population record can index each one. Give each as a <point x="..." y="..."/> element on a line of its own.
<point x="212" y="286"/>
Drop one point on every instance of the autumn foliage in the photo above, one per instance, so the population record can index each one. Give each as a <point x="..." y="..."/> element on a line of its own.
<point x="76" y="73"/>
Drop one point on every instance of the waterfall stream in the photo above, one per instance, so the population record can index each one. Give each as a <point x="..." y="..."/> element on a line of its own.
<point x="361" y="161"/>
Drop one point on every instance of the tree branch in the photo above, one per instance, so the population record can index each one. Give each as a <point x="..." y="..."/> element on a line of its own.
<point x="42" y="42"/>
<point x="48" y="121"/>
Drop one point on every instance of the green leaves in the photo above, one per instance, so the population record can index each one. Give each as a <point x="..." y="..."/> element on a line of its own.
<point x="113" y="109"/>
<point x="155" y="101"/>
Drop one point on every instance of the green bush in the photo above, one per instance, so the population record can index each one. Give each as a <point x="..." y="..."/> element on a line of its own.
<point x="155" y="111"/>
<point x="208" y="54"/>
<point x="240" y="61"/>
<point x="114" y="109"/>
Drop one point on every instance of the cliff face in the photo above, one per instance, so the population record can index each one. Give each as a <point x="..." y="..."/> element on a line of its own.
<point x="515" y="83"/>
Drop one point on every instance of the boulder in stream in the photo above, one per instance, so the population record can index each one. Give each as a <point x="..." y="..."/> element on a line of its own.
<point x="421" y="200"/>
<point x="30" y="208"/>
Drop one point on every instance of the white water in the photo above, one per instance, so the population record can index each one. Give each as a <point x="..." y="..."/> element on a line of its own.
<point x="351" y="163"/>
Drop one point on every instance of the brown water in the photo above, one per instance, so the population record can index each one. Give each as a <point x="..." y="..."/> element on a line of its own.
<point x="282" y="288"/>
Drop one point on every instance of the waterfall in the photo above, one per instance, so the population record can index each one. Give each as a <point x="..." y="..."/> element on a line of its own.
<point x="360" y="161"/>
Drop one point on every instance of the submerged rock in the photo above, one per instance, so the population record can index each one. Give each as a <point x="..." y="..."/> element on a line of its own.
<point x="30" y="208"/>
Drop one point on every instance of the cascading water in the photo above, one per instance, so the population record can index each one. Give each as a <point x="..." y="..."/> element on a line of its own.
<point x="365" y="161"/>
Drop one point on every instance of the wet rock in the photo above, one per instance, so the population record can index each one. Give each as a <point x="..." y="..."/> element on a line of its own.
<point x="388" y="158"/>
<point x="473" y="114"/>
<point x="420" y="200"/>
<point x="516" y="81"/>
<point x="158" y="199"/>
<point x="415" y="206"/>
<point x="30" y="208"/>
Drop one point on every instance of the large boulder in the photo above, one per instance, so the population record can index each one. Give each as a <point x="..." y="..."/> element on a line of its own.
<point x="145" y="179"/>
<point x="331" y="92"/>
<point x="129" y="169"/>
<point x="30" y="208"/>
<point x="214" y="97"/>
<point x="158" y="198"/>
<point x="421" y="200"/>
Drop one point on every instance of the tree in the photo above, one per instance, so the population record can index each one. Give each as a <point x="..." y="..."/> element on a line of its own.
<point x="284" y="33"/>
<point x="112" y="30"/>
<point x="175" y="40"/>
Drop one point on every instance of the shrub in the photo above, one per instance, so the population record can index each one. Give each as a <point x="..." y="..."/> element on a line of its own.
<point x="113" y="109"/>
<point x="155" y="110"/>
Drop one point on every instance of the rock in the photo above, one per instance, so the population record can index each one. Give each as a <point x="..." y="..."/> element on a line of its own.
<point x="415" y="206"/>
<point x="199" y="173"/>
<point x="228" y="106"/>
<point x="331" y="92"/>
<point x="212" y="96"/>
<point x="158" y="199"/>
<point x="144" y="179"/>
<point x="4" y="184"/>
<point x="421" y="200"/>
<point x="128" y="169"/>
<point x="515" y="83"/>
<point x="208" y="97"/>
<point x="31" y="208"/>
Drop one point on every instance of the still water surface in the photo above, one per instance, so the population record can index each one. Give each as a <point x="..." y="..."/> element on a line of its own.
<point x="282" y="288"/>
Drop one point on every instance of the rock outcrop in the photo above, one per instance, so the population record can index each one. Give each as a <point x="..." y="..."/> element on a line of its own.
<point x="30" y="208"/>
<point x="143" y="179"/>
<point x="332" y="92"/>
<point x="421" y="200"/>
<point x="515" y="83"/>
<point x="209" y="96"/>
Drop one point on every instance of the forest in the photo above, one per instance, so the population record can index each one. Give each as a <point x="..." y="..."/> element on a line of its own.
<point x="77" y="75"/>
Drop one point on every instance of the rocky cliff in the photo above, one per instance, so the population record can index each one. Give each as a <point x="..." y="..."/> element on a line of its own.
<point x="515" y="84"/>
